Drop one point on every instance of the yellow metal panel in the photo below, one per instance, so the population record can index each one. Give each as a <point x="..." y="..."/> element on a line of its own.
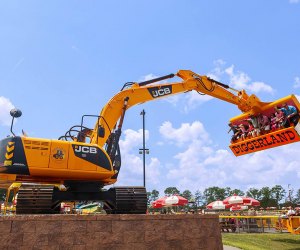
<point x="77" y="163"/>
<point x="59" y="155"/>
<point x="37" y="152"/>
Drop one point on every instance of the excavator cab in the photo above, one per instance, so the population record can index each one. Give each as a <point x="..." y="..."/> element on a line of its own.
<point x="275" y="124"/>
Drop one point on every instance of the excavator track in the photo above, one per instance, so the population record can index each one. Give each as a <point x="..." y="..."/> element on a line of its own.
<point x="127" y="200"/>
<point x="36" y="199"/>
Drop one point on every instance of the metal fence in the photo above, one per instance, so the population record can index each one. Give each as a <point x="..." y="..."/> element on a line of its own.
<point x="259" y="224"/>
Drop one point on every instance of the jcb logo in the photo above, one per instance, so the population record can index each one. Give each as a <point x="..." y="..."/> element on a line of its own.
<point x="158" y="92"/>
<point x="85" y="149"/>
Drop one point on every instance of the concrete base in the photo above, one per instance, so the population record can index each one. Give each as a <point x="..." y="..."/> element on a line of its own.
<point x="188" y="231"/>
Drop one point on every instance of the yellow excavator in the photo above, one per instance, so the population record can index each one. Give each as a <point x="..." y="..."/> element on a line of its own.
<point x="78" y="165"/>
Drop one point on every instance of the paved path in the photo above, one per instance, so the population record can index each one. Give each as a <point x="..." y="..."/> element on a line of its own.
<point x="225" y="247"/>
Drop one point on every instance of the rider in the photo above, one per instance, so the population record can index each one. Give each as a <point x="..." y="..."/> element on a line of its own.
<point x="290" y="113"/>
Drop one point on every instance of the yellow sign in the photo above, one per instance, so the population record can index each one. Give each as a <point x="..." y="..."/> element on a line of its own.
<point x="7" y="163"/>
<point x="9" y="153"/>
<point x="58" y="154"/>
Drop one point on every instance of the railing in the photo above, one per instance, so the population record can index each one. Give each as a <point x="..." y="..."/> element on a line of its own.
<point x="260" y="224"/>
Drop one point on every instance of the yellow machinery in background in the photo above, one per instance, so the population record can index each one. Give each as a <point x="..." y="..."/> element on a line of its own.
<point x="85" y="160"/>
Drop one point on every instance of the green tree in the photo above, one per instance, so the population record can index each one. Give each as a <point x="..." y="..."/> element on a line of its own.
<point x="228" y="192"/>
<point x="187" y="194"/>
<point x="254" y="193"/>
<point x="278" y="193"/>
<point x="266" y="198"/>
<point x="237" y="192"/>
<point x="215" y="193"/>
<point x="199" y="198"/>
<point x="152" y="196"/>
<point x="149" y="198"/>
<point x="297" y="198"/>
<point x="171" y="191"/>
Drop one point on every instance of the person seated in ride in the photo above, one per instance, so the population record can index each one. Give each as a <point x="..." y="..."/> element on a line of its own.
<point x="236" y="132"/>
<point x="291" y="115"/>
<point x="264" y="123"/>
<point x="250" y="129"/>
<point x="255" y="122"/>
<point x="280" y="117"/>
<point x="291" y="212"/>
<point x="297" y="211"/>
<point x="243" y="131"/>
<point x="284" y="215"/>
<point x="273" y="122"/>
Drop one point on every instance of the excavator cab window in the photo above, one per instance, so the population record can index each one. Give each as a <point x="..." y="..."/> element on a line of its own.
<point x="101" y="131"/>
<point x="84" y="134"/>
<point x="275" y="125"/>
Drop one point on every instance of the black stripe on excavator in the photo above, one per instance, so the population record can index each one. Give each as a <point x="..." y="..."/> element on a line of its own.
<point x="156" y="79"/>
<point x="12" y="156"/>
<point x="93" y="155"/>
<point x="219" y="83"/>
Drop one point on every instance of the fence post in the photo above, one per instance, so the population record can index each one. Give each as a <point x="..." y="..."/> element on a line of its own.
<point x="248" y="225"/>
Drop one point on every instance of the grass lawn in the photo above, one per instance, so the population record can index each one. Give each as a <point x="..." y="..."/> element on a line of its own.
<point x="253" y="241"/>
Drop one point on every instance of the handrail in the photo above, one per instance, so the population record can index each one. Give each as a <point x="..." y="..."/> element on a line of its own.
<point x="250" y="223"/>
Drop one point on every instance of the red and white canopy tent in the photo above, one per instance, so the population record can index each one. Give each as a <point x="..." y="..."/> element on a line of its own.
<point x="236" y="199"/>
<point x="234" y="202"/>
<point x="217" y="205"/>
<point x="168" y="201"/>
<point x="158" y="203"/>
<point x="238" y="207"/>
<point x="252" y="202"/>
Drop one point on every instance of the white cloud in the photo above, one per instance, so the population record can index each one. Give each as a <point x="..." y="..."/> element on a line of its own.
<point x="236" y="79"/>
<point x="152" y="76"/>
<point x="294" y="1"/>
<point x="148" y="77"/>
<point x="260" y="87"/>
<point x="75" y="48"/>
<point x="186" y="133"/>
<point x="194" y="99"/>
<point x="132" y="164"/>
<point x="17" y="65"/>
<point x="240" y="80"/>
<point x="297" y="82"/>
<point x="199" y="164"/>
<point x="5" y="107"/>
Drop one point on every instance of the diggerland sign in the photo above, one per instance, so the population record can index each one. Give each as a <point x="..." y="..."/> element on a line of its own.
<point x="271" y="140"/>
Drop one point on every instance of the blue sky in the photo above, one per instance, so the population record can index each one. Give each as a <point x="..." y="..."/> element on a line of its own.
<point x="62" y="59"/>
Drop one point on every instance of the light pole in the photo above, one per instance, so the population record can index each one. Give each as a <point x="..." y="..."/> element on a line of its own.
<point x="290" y="194"/>
<point x="144" y="150"/>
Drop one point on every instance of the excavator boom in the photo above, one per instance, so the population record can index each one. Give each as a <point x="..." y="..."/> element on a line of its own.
<point x="142" y="92"/>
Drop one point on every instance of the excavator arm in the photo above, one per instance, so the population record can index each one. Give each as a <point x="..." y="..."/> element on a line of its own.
<point x="147" y="91"/>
